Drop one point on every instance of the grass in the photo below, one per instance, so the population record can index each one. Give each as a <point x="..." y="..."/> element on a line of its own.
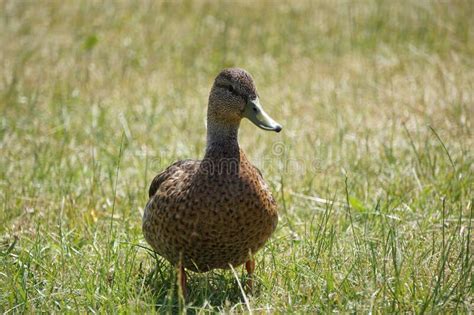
<point x="373" y="171"/>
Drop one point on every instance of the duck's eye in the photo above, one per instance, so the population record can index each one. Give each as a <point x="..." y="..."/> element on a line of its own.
<point x="230" y="88"/>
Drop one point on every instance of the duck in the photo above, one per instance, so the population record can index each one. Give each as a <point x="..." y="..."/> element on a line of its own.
<point x="217" y="212"/>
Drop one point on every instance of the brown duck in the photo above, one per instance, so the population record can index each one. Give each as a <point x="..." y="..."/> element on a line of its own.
<point x="218" y="211"/>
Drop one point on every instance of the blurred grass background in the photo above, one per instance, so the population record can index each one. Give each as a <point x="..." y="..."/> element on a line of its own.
<point x="373" y="170"/>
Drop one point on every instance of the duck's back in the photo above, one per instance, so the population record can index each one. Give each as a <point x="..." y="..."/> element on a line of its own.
<point x="208" y="219"/>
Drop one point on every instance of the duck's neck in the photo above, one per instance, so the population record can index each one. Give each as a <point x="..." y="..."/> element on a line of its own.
<point x="222" y="141"/>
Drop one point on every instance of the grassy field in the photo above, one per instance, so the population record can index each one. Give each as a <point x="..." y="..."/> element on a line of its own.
<point x="373" y="170"/>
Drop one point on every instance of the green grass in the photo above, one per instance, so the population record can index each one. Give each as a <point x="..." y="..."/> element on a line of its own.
<point x="373" y="170"/>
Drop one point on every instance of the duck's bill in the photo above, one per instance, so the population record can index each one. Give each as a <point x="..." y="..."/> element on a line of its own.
<point x="255" y="113"/>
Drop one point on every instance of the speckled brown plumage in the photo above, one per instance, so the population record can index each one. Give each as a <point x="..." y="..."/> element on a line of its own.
<point x="215" y="212"/>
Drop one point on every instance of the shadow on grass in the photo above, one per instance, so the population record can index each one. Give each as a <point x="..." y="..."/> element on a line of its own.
<point x="214" y="290"/>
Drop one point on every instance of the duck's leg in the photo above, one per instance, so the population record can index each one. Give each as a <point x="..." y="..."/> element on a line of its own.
<point x="250" y="266"/>
<point x="182" y="280"/>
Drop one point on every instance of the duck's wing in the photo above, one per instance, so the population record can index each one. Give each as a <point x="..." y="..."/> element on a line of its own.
<point x="170" y="172"/>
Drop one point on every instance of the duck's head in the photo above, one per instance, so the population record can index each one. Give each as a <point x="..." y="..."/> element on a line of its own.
<point x="233" y="97"/>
